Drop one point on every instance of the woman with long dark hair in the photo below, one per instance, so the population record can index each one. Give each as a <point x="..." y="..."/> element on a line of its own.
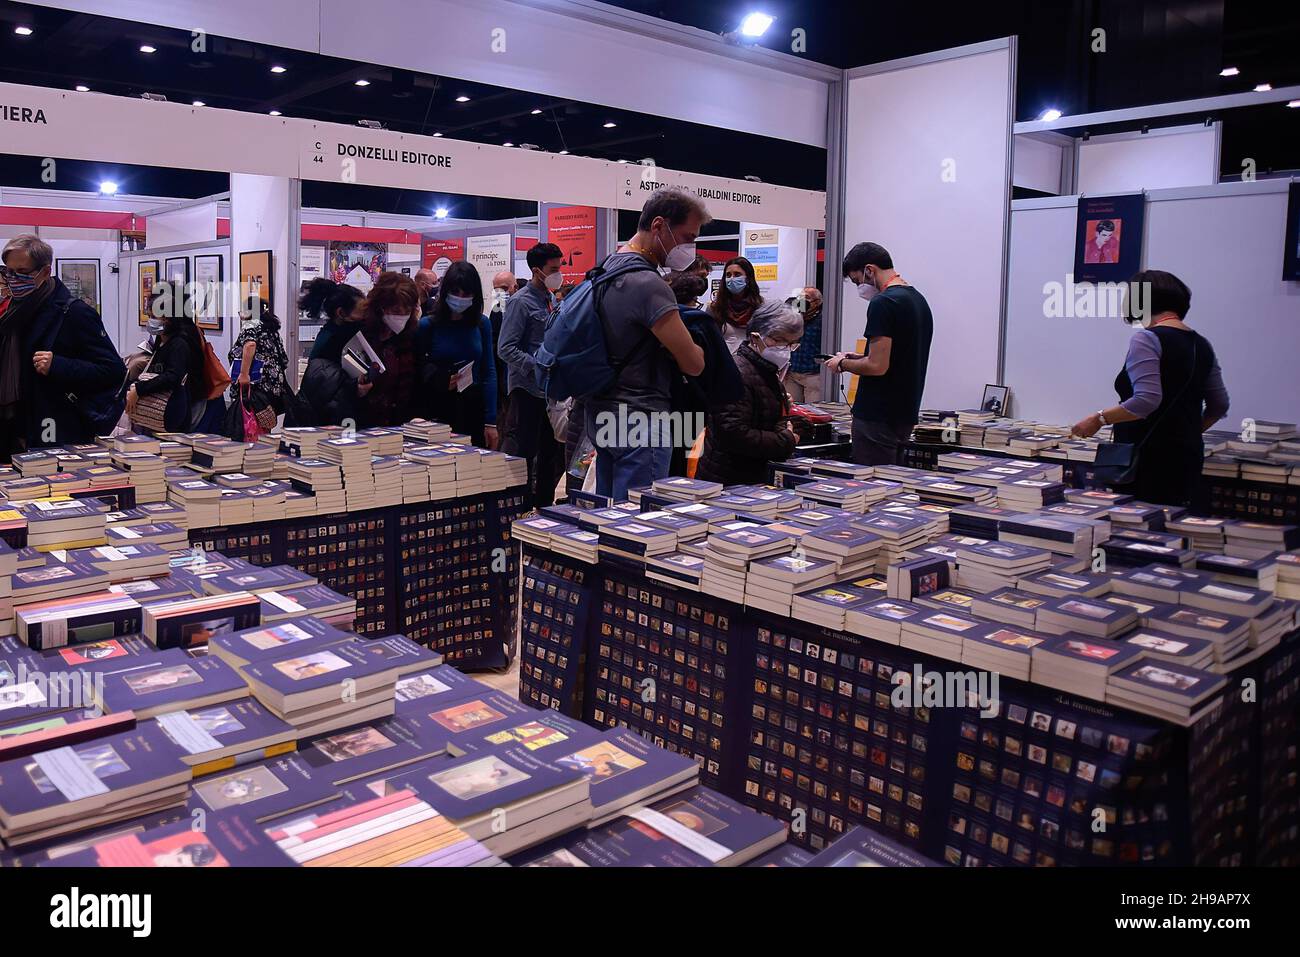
<point x="259" y="340"/>
<point x="390" y="313"/>
<point x="177" y="364"/>
<point x="736" y="301"/>
<point x="326" y="387"/>
<point x="459" y="372"/>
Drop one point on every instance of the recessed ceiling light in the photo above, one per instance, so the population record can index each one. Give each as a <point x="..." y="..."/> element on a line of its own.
<point x="148" y="49"/>
<point x="507" y="144"/>
<point x="440" y="212"/>
<point x="622" y="161"/>
<point x="610" y="125"/>
<point x="362" y="83"/>
<point x="1294" y="104"/>
<point x="1263" y="87"/>
<point x="437" y="134"/>
<point x="536" y="112"/>
<point x="277" y="69"/>
<point x="564" y="152"/>
<point x="108" y="187"/>
<point x="462" y="98"/>
<point x="24" y="31"/>
<point x="275" y="113"/>
<point x="1050" y="115"/>
<point x="755" y="24"/>
<point x="82" y="89"/>
<point x="1229" y="71"/>
<point x="199" y="103"/>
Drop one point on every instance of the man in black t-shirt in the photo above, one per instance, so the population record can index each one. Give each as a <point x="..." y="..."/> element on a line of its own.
<point x="892" y="373"/>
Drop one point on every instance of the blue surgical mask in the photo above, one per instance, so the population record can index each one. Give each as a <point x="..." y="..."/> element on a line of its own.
<point x="736" y="285"/>
<point x="458" y="304"/>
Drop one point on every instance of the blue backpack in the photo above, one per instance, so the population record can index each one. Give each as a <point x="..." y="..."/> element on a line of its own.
<point x="573" y="359"/>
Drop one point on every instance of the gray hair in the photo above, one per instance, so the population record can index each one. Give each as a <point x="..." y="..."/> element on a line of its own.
<point x="774" y="318"/>
<point x="38" y="249"/>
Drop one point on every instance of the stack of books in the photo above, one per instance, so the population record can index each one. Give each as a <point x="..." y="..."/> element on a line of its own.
<point x="849" y="495"/>
<point x="324" y="603"/>
<point x="130" y="442"/>
<point x="298" y="504"/>
<point x="424" y="432"/>
<point x="1202" y="534"/>
<point x="248" y="645"/>
<point x="828" y="605"/>
<point x="55" y="580"/>
<point x="856" y="551"/>
<point x="320" y="479"/>
<point x="301" y="443"/>
<point x="1258" y="573"/>
<point x="1009" y="606"/>
<point x="1006" y="651"/>
<point x="687" y="528"/>
<point x="387" y="473"/>
<point x="201" y="501"/>
<point x="1256" y="540"/>
<point x="1080" y="665"/>
<point x="578" y="543"/>
<point x="168" y="682"/>
<point x="941" y="633"/>
<point x="1226" y="599"/>
<point x="1158" y="583"/>
<point x="217" y="455"/>
<point x="269" y="501"/>
<point x="492" y="471"/>
<point x="1174" y="692"/>
<point x="955" y="493"/>
<point x="35" y="463"/>
<point x="260" y="457"/>
<point x="1158" y="646"/>
<point x="440" y="468"/>
<point x="986" y="568"/>
<point x="772" y="583"/>
<point x="352" y="456"/>
<point x="192" y="622"/>
<point x="76" y="619"/>
<point x="237" y="480"/>
<point x="24" y="489"/>
<point x="1123" y="551"/>
<point x="121" y="562"/>
<point x="898" y="535"/>
<point x="918" y="577"/>
<point x="1085" y="616"/>
<point x="1288" y="575"/>
<point x="235" y="506"/>
<point x="635" y="540"/>
<point x="256" y="579"/>
<point x="1230" y="634"/>
<point x="687" y="489"/>
<point x="882" y="619"/>
<point x="146" y="472"/>
<point x="682" y="569"/>
<point x="1027" y="493"/>
<point x="385" y="442"/>
<point x="1059" y="534"/>
<point x="415" y="481"/>
<point x="535" y="530"/>
<point x="63" y="523"/>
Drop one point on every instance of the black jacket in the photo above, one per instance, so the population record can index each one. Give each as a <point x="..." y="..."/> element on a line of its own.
<point x="80" y="395"/>
<point x="330" y="391"/>
<point x="745" y="435"/>
<point x="174" y="362"/>
<point x="719" y="384"/>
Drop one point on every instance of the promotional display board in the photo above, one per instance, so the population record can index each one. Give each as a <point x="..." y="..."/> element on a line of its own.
<point x="438" y="254"/>
<point x="573" y="229"/>
<point x="357" y="264"/>
<point x="1108" y="240"/>
<point x="490" y="254"/>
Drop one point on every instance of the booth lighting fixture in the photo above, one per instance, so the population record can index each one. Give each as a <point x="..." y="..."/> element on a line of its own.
<point x="507" y="144"/>
<point x="108" y="187"/>
<point x="610" y="125"/>
<point x="437" y="134"/>
<point x="1264" y="88"/>
<point x="362" y="83"/>
<point x="154" y="97"/>
<point x="564" y="152"/>
<point x="148" y="49"/>
<point x="622" y="162"/>
<point x="275" y="113"/>
<point x="370" y="124"/>
<point x="24" y="31"/>
<point x="1294" y="105"/>
<point x="462" y="98"/>
<point x="1229" y="71"/>
<point x="199" y="103"/>
<point x="1051" y="116"/>
<point x="80" y="88"/>
<point x="755" y="24"/>
<point x="537" y="113"/>
<point x="440" y="212"/>
<point x="277" y="69"/>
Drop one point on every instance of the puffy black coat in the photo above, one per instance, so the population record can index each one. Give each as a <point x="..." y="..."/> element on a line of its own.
<point x="745" y="435"/>
<point x="329" y="391"/>
<point x="80" y="395"/>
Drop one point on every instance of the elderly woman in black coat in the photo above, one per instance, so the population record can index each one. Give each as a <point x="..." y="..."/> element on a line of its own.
<point x="744" y="436"/>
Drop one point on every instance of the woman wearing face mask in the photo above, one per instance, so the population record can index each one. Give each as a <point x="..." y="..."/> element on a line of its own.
<point x="455" y="335"/>
<point x="259" y="341"/>
<point x="736" y="301"/>
<point x="744" y="436"/>
<point x="1170" y="389"/>
<point x="327" y="388"/>
<point x="177" y="365"/>
<point x="390" y="311"/>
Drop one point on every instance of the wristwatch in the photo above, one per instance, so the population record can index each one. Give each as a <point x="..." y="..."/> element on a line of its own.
<point x="1101" y="417"/>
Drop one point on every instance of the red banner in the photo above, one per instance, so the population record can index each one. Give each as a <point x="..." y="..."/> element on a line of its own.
<point x="573" y="229"/>
<point x="438" y="254"/>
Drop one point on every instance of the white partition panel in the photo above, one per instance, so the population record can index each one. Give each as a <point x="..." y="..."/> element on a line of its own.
<point x="1161" y="159"/>
<point x="927" y="170"/>
<point x="1225" y="242"/>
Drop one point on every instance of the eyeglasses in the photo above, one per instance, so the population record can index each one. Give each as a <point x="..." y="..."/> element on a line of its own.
<point x="8" y="273"/>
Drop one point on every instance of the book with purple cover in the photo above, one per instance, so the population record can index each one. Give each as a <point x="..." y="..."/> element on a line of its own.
<point x="155" y="687"/>
<point x="224" y="840"/>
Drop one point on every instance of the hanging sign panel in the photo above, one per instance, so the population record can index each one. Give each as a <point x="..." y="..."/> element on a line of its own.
<point x="573" y="229"/>
<point x="731" y="199"/>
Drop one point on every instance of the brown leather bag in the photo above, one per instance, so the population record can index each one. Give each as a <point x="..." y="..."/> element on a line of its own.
<point x="215" y="377"/>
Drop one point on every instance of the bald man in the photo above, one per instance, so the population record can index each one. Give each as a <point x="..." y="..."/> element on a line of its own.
<point x="426" y="280"/>
<point x="804" y="380"/>
<point x="504" y="285"/>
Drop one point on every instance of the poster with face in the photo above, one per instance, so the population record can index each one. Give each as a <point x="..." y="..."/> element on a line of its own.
<point x="1108" y="241"/>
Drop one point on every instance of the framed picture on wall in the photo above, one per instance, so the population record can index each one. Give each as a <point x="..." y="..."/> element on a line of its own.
<point x="147" y="278"/>
<point x="1291" y="255"/>
<point x="1108" y="237"/>
<point x="209" y="306"/>
<point x="996" y="399"/>
<point x="81" y="276"/>
<point x="177" y="270"/>
<point x="255" y="277"/>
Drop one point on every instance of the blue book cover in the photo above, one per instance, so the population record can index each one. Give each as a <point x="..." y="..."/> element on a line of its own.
<point x="787" y="855"/>
<point x="549" y="733"/>
<point x="624" y="768"/>
<point x="264" y="789"/>
<point x="271" y="641"/>
<point x="589" y="500"/>
<point x="467" y="719"/>
<point x="152" y="688"/>
<point x="862" y="847"/>
<point x="241" y="729"/>
<point x="431" y="688"/>
<point x="348" y="754"/>
<point x="302" y="678"/>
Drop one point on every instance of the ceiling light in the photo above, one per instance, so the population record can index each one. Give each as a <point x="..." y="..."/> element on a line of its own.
<point x="277" y="69"/>
<point x="108" y="187"/>
<point x="755" y="24"/>
<point x="564" y="152"/>
<point x="1229" y="71"/>
<point x="82" y="89"/>
<point x="362" y="83"/>
<point x="1294" y="104"/>
<point x="610" y="125"/>
<point x="24" y="31"/>
<point x="199" y="103"/>
<point x="1050" y="115"/>
<point x="440" y="212"/>
<point x="275" y="113"/>
<point x="1263" y="87"/>
<point x="536" y="112"/>
<point x="621" y="162"/>
<point x="437" y="134"/>
<point x="462" y="98"/>
<point x="148" y="49"/>
<point x="507" y="144"/>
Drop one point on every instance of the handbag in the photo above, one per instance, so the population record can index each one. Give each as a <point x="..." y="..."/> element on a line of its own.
<point x="215" y="377"/>
<point x="167" y="411"/>
<point x="1117" y="462"/>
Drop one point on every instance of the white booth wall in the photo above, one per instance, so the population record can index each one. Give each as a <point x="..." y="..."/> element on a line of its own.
<point x="1224" y="241"/>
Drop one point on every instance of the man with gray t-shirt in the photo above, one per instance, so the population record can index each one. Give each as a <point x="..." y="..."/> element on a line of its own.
<point x="648" y="344"/>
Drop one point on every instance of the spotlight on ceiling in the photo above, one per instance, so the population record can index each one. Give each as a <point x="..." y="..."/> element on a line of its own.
<point x="440" y="212"/>
<point x="755" y="24"/>
<point x="275" y="113"/>
<point x="1050" y="115"/>
<point x="107" y="187"/>
<point x="1263" y="87"/>
<point x="1294" y="104"/>
<point x="536" y="113"/>
<point x="610" y="125"/>
<point x="199" y="103"/>
<point x="24" y="31"/>
<point x="1229" y="71"/>
<point x="81" y="88"/>
<point x="277" y="69"/>
<point x="564" y="152"/>
<point x="462" y="98"/>
<point x="437" y="134"/>
<point x="361" y="83"/>
<point x="507" y="144"/>
<point x="148" y="49"/>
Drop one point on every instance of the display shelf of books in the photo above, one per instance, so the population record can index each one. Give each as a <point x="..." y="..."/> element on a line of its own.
<point x="1254" y="501"/>
<point x="263" y="545"/>
<point x="556" y="600"/>
<point x="348" y="553"/>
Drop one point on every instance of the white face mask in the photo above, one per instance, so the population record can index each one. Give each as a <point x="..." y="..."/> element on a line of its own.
<point x="778" y="355"/>
<point x="679" y="257"/>
<point x="396" y="321"/>
<point x="554" y="281"/>
<point x="866" y="289"/>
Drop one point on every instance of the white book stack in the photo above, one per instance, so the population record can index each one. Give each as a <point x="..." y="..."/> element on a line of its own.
<point x="415" y="481"/>
<point x="383" y="441"/>
<point x="146" y="471"/>
<point x="268" y="501"/>
<point x="440" y="467"/>
<point x="299" y="504"/>
<point x="201" y="499"/>
<point x="235" y="506"/>
<point x="492" y="469"/>
<point x="1288" y="575"/>
<point x="388" y="480"/>
<point x="771" y="583"/>
<point x="516" y="470"/>
<point x="424" y="432"/>
<point x="259" y="457"/>
<point x="469" y="468"/>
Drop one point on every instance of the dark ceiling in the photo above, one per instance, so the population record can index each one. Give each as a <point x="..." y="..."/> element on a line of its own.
<point x="1155" y="52"/>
